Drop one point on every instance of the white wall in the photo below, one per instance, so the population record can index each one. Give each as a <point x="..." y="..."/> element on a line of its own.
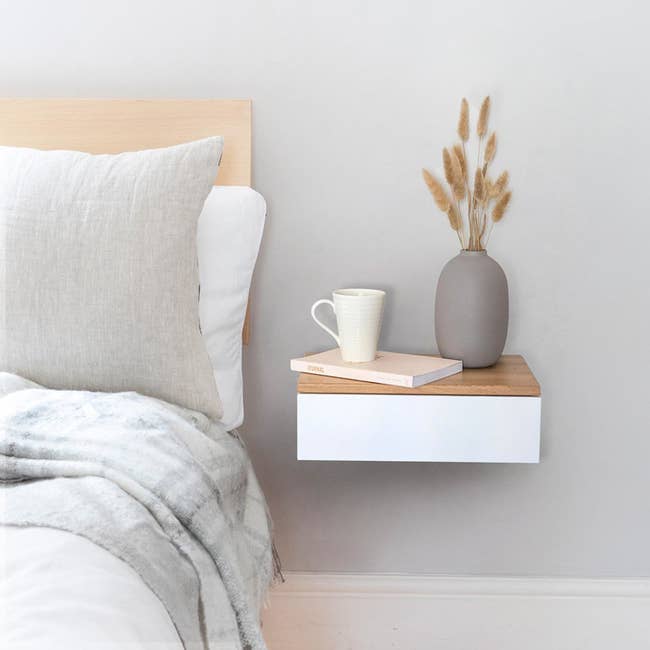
<point x="350" y="100"/>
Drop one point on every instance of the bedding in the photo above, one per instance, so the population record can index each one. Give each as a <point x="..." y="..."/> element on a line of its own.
<point x="60" y="591"/>
<point x="99" y="276"/>
<point x="229" y="235"/>
<point x="164" y="489"/>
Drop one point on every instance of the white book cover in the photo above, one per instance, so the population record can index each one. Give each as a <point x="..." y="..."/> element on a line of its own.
<point x="392" y="368"/>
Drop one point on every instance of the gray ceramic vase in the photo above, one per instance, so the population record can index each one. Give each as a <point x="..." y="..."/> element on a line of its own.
<point x="471" y="314"/>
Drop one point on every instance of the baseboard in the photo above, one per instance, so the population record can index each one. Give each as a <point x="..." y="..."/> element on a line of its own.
<point x="381" y="612"/>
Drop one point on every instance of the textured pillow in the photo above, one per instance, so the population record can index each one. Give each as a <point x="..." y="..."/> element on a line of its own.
<point x="230" y="232"/>
<point x="98" y="270"/>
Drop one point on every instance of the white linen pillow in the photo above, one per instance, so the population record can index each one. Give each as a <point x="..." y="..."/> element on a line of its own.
<point x="229" y="235"/>
<point x="99" y="273"/>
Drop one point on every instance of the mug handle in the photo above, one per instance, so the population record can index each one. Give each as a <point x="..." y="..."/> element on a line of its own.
<point x="327" y="329"/>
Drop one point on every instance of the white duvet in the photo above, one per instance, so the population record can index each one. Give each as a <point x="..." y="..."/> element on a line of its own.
<point x="59" y="591"/>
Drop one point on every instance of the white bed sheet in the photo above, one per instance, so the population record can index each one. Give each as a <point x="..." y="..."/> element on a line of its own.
<point x="60" y="591"/>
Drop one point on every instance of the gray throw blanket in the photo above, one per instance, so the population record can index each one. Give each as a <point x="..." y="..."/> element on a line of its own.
<point x="163" y="488"/>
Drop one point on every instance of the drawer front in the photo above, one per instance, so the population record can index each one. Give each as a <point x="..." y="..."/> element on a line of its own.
<point x="419" y="428"/>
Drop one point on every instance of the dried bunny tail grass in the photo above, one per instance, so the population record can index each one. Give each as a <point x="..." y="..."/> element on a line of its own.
<point x="458" y="150"/>
<point x="481" y="125"/>
<point x="500" y="207"/>
<point x="447" y="166"/>
<point x="499" y="186"/>
<point x="463" y="121"/>
<point x="453" y="174"/>
<point x="479" y="186"/>
<point x="459" y="177"/>
<point x="437" y="191"/>
<point x="454" y="218"/>
<point x="490" y="148"/>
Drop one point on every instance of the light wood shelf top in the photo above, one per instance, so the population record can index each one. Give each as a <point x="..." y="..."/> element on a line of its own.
<point x="510" y="376"/>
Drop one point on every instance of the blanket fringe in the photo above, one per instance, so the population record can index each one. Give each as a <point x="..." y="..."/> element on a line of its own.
<point x="278" y="577"/>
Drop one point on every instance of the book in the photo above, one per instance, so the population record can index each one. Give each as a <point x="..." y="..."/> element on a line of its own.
<point x="392" y="368"/>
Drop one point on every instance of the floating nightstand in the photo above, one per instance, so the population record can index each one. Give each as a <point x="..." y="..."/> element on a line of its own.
<point x="488" y="415"/>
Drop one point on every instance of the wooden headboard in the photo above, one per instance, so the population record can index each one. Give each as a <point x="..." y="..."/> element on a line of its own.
<point x="116" y="125"/>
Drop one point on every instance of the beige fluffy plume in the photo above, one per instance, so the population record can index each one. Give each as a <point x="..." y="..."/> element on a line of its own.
<point x="463" y="121"/>
<point x="458" y="176"/>
<point x="500" y="207"/>
<point x="499" y="186"/>
<point x="454" y="218"/>
<point x="458" y="150"/>
<point x="481" y="125"/>
<point x="490" y="148"/>
<point x="437" y="191"/>
<point x="453" y="174"/>
<point x="479" y="187"/>
<point x="446" y="165"/>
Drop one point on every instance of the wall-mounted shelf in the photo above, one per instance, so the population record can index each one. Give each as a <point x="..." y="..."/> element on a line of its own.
<point x="489" y="415"/>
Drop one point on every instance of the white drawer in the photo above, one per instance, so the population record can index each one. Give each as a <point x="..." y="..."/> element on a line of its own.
<point x="419" y="428"/>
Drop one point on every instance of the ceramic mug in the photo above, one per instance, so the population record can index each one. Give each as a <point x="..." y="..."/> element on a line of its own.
<point x="358" y="317"/>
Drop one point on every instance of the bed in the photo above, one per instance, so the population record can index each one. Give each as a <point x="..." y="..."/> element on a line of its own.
<point x="130" y="519"/>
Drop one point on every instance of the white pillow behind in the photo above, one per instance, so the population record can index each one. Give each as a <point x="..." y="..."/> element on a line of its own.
<point x="229" y="235"/>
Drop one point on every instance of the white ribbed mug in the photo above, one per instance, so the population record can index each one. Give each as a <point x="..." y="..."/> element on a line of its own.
<point x="358" y="317"/>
